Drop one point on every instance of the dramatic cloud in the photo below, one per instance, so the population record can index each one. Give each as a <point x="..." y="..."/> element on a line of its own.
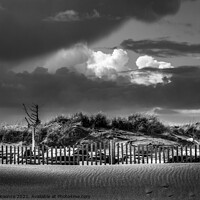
<point x="65" y="91"/>
<point x="148" y="61"/>
<point x="26" y="32"/>
<point x="161" y="48"/>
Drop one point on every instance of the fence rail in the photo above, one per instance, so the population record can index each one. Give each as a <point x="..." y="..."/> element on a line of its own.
<point x="99" y="154"/>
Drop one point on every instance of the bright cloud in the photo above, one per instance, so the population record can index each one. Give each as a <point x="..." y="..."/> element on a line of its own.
<point x="148" y="61"/>
<point x="88" y="62"/>
<point x="149" y="78"/>
<point x="72" y="15"/>
<point x="106" y="66"/>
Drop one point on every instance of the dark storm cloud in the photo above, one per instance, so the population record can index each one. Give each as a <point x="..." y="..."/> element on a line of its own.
<point x="70" y="90"/>
<point x="25" y="32"/>
<point x="161" y="48"/>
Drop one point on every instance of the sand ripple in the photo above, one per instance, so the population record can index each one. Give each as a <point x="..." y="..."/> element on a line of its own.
<point x="134" y="182"/>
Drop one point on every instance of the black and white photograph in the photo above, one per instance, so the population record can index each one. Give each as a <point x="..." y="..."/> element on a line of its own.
<point x="100" y="99"/>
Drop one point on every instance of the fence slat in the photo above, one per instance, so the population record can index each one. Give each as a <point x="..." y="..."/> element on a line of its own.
<point x="186" y="154"/>
<point x="138" y="154"/>
<point x="159" y="152"/>
<point x="91" y="149"/>
<point x="56" y="156"/>
<point x="47" y="158"/>
<point x="25" y="153"/>
<point x="43" y="154"/>
<point x="104" y="147"/>
<point x="182" y="154"/>
<point x="6" y="154"/>
<point x="195" y="152"/>
<point x="122" y="153"/>
<point x="151" y="154"/>
<point x="142" y="154"/>
<point x="95" y="146"/>
<point x="172" y="154"/>
<point x="109" y="153"/>
<point x="130" y="149"/>
<point x="82" y="148"/>
<point x="14" y="155"/>
<point x="126" y="156"/>
<point x="22" y="155"/>
<point x="60" y="155"/>
<point x="87" y="153"/>
<point x="18" y="156"/>
<point x="191" y="153"/>
<point x="134" y="154"/>
<point x="65" y="156"/>
<point x="113" y="153"/>
<point x="11" y="155"/>
<point x="177" y="154"/>
<point x="100" y="152"/>
<point x="69" y="155"/>
<point x="2" y="154"/>
<point x="147" y="154"/>
<point x="156" y="158"/>
<point x="52" y="155"/>
<point x="163" y="154"/>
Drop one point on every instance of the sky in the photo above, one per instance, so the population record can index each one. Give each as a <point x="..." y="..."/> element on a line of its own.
<point x="113" y="56"/>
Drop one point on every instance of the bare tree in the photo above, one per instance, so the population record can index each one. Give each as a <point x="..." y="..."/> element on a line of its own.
<point x="32" y="119"/>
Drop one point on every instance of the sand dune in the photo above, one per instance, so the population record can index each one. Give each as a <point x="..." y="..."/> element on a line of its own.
<point x="134" y="182"/>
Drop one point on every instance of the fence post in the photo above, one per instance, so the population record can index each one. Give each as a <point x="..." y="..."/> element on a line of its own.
<point x="181" y="153"/>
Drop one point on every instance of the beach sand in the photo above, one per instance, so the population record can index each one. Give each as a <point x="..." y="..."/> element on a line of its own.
<point x="134" y="182"/>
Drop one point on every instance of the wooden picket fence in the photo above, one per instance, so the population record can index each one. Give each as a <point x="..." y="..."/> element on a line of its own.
<point x="99" y="154"/>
